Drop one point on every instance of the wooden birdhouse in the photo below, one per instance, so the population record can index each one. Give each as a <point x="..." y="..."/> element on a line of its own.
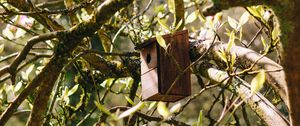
<point x="162" y="73"/>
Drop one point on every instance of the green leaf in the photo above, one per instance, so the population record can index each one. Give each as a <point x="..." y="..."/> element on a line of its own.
<point x="200" y="119"/>
<point x="178" y="25"/>
<point x="105" y="110"/>
<point x="107" y="82"/>
<point x="231" y="41"/>
<point x="73" y="90"/>
<point x="18" y="86"/>
<point x="175" y="108"/>
<point x="152" y="104"/>
<point x="8" y="32"/>
<point x="233" y="58"/>
<point x="163" y="24"/>
<point x="263" y="41"/>
<point x="163" y="110"/>
<point x="192" y="17"/>
<point x="258" y="81"/>
<point x="1" y="48"/>
<point x="244" y="18"/>
<point x="171" y="5"/>
<point x="275" y="32"/>
<point x="105" y="40"/>
<point x="129" y="100"/>
<point x="161" y="41"/>
<point x="132" y="110"/>
<point x="233" y="23"/>
<point x="222" y="55"/>
<point x="254" y="11"/>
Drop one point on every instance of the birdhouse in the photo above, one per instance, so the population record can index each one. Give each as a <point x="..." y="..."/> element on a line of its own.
<point x="162" y="71"/>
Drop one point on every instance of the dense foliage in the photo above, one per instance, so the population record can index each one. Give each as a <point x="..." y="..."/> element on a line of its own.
<point x="73" y="62"/>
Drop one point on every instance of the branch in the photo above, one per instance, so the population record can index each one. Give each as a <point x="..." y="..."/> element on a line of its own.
<point x="258" y="103"/>
<point x="47" y="77"/>
<point x="249" y="57"/>
<point x="144" y="116"/>
<point x="218" y="5"/>
<point x="70" y="39"/>
<point x="22" y="56"/>
<point x="25" y="6"/>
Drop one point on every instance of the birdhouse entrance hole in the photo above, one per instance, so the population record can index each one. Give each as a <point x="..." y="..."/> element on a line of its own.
<point x="159" y="71"/>
<point x="148" y="59"/>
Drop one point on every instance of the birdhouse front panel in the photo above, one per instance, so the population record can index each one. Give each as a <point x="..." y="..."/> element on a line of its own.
<point x="149" y="70"/>
<point x="162" y="70"/>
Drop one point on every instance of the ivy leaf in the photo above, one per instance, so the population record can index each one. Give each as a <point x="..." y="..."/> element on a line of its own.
<point x="171" y="5"/>
<point x="233" y="23"/>
<point x="231" y="41"/>
<point x="163" y="110"/>
<point x="73" y="90"/>
<point x="1" y="48"/>
<point x="161" y="41"/>
<point x="258" y="81"/>
<point x="164" y="25"/>
<point x="132" y="110"/>
<point x="192" y="17"/>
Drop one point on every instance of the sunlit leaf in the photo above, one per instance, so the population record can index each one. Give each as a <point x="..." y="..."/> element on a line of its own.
<point x="7" y="32"/>
<point x="105" y="110"/>
<point x="258" y="81"/>
<point x="132" y="110"/>
<point x="129" y="100"/>
<point x="244" y="18"/>
<point x="222" y="55"/>
<point x="267" y="15"/>
<point x="163" y="110"/>
<point x="73" y="90"/>
<point x="175" y="108"/>
<point x="263" y="41"/>
<point x="152" y="104"/>
<point x="275" y="32"/>
<point x="159" y="8"/>
<point x="164" y="25"/>
<point x="178" y="25"/>
<point x="171" y="5"/>
<point x="18" y="86"/>
<point x="232" y="22"/>
<point x="107" y="82"/>
<point x="161" y="41"/>
<point x="20" y="33"/>
<point x="200" y="119"/>
<point x="231" y="41"/>
<point x="233" y="58"/>
<point x="1" y="48"/>
<point x="192" y="17"/>
<point x="254" y="11"/>
<point x="105" y="40"/>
